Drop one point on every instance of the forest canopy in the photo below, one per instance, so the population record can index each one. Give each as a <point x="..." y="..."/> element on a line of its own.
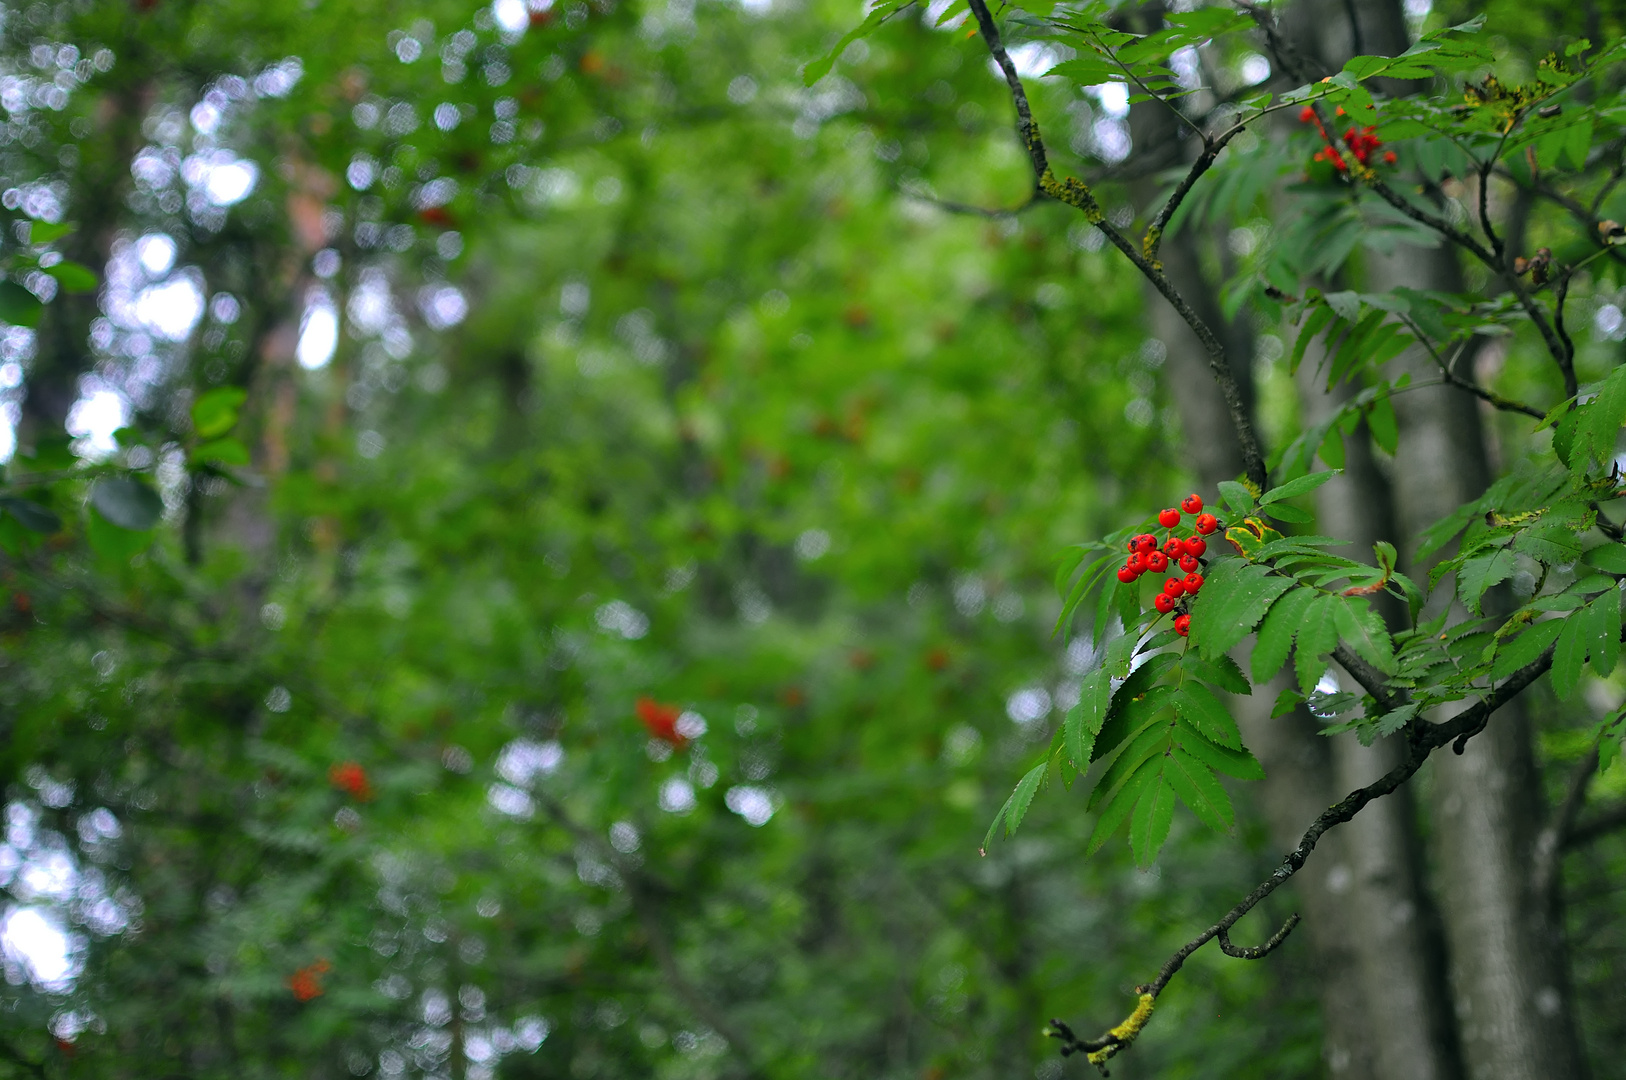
<point x="695" y="539"/>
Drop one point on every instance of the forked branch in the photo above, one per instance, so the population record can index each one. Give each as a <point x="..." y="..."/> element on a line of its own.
<point x="1077" y="194"/>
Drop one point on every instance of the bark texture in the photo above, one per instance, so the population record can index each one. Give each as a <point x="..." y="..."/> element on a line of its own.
<point x="1507" y="962"/>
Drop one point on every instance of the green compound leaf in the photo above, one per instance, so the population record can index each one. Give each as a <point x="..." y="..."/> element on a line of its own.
<point x="1198" y="707"/>
<point x="1480" y="573"/>
<point x="1118" y="808"/>
<point x="1234" y="598"/>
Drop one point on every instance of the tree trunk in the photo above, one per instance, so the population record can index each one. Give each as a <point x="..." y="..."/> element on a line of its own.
<point x="1507" y="962"/>
<point x="1402" y="958"/>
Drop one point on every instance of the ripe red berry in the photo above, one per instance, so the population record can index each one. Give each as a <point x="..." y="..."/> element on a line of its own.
<point x="1192" y="504"/>
<point x="1134" y="544"/>
<point x="1174" y="586"/>
<point x="1390" y="158"/>
<point x="1174" y="547"/>
<point x="1192" y="583"/>
<point x="1306" y="114"/>
<point x="1196" y="546"/>
<point x="1207" y="523"/>
<point x="1157" y="562"/>
<point x="1189" y="563"/>
<point x="1182" y="625"/>
<point x="1145" y="543"/>
<point x="1136" y="564"/>
<point x="1164" y="603"/>
<point x="1168" y="518"/>
<point x="1126" y="574"/>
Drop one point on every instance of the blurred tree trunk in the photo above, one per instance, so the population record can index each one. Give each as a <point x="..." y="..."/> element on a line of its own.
<point x="1402" y="961"/>
<point x="1507" y="953"/>
<point x="1506" y="956"/>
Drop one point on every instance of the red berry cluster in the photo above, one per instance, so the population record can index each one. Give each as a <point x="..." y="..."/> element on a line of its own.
<point x="306" y="983"/>
<point x="661" y="720"/>
<point x="1147" y="556"/>
<point x="352" y="778"/>
<point x="1362" y="143"/>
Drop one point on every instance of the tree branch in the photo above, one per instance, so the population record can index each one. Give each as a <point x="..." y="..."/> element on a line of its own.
<point x="1076" y="194"/>
<point x="1422" y="739"/>
<point x="1606" y="822"/>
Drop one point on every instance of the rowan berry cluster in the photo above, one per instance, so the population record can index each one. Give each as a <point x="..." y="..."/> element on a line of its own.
<point x="1360" y="143"/>
<point x="352" y="778"/>
<point x="1147" y="556"/>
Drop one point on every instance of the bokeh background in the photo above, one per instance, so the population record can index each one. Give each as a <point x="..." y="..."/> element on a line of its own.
<point x="626" y="595"/>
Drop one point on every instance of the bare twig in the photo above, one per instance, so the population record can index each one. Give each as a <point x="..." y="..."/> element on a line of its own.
<point x="1257" y="952"/>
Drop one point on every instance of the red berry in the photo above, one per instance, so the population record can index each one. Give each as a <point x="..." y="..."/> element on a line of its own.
<point x="1207" y="523"/>
<point x="1126" y="574"/>
<point x="1174" y="586"/>
<point x="1174" y="547"/>
<point x="1196" y="546"/>
<point x="1192" y="583"/>
<point x="1390" y="158"/>
<point x="1306" y="114"/>
<point x="1134" y="544"/>
<point x="1192" y="504"/>
<point x="1145" y="543"/>
<point x="1182" y="625"/>
<point x="1189" y="563"/>
<point x="1157" y="562"/>
<point x="1164" y="603"/>
<point x="1136" y="564"/>
<point x="1168" y="518"/>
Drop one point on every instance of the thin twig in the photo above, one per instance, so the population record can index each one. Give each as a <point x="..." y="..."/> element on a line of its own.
<point x="1448" y="373"/>
<point x="1257" y="952"/>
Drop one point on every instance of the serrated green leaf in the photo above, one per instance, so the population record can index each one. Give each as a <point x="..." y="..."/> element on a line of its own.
<point x="1515" y="654"/>
<point x="1480" y="573"/>
<point x="1610" y="557"/>
<point x="1152" y="739"/>
<point x="1194" y="782"/>
<point x="1318" y="636"/>
<point x="1234" y="598"/>
<point x="1238" y="498"/>
<point x="1197" y="705"/>
<point x="1302" y="486"/>
<point x="1277" y="631"/>
<point x="1115" y="810"/>
<point x="1286" y="702"/>
<point x="1440" y="533"/>
<point x="1222" y="671"/>
<point x="1568" y="654"/>
<point x="1363" y="628"/>
<point x="1603" y="631"/>
<point x="1016" y="807"/>
<point x="1238" y="763"/>
<point x="818" y="69"/>
<point x="1084" y="719"/>
<point x="1154" y="810"/>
